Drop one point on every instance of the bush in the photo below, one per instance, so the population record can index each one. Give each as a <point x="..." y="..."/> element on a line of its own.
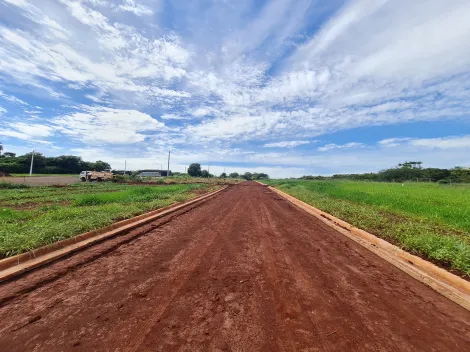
<point x="6" y="185"/>
<point x="120" y="178"/>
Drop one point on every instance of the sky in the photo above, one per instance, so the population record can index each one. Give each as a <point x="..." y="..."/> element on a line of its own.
<point x="287" y="87"/>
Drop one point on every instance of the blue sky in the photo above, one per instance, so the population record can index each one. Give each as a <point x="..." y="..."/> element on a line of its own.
<point x="288" y="87"/>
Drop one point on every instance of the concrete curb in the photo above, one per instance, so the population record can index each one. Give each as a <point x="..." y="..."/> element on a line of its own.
<point x="449" y="285"/>
<point x="18" y="264"/>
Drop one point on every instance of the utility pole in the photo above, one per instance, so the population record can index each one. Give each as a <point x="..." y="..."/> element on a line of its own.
<point x="31" y="166"/>
<point x="208" y="170"/>
<point x="125" y="167"/>
<point x="168" y="170"/>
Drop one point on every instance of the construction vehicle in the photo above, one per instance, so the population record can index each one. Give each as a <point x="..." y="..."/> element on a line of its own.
<point x="98" y="176"/>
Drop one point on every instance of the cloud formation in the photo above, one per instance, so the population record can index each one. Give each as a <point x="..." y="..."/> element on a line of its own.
<point x="241" y="77"/>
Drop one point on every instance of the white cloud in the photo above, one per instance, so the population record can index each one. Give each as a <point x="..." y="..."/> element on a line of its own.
<point x="451" y="142"/>
<point x="135" y="8"/>
<point x="332" y="146"/>
<point x="12" y="98"/>
<point x="173" y="117"/>
<point x="286" y="144"/>
<point x="226" y="75"/>
<point x="393" y="142"/>
<point x="100" y="125"/>
<point x="115" y="58"/>
<point x="27" y="132"/>
<point x="33" y="130"/>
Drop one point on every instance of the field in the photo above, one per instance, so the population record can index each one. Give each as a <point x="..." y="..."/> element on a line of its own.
<point x="32" y="217"/>
<point x="427" y="219"/>
<point x="42" y="175"/>
<point x="244" y="271"/>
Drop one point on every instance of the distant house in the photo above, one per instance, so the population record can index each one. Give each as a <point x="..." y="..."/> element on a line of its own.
<point x="122" y="172"/>
<point x="153" y="173"/>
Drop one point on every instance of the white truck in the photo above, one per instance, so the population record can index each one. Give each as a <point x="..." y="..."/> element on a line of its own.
<point x="98" y="176"/>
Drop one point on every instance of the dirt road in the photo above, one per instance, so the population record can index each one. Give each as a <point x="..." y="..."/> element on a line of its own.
<point x="245" y="271"/>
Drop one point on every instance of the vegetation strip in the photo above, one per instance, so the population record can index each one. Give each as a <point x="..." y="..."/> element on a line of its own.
<point x="34" y="217"/>
<point x="13" y="266"/>
<point x="429" y="220"/>
<point x="444" y="282"/>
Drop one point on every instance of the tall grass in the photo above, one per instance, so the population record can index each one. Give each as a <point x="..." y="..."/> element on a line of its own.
<point x="427" y="219"/>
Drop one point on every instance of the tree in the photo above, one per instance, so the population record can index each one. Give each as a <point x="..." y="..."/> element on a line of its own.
<point x="223" y="175"/>
<point x="99" y="165"/>
<point x="1" y="148"/>
<point x="411" y="165"/>
<point x="194" y="170"/>
<point x="234" y="175"/>
<point x="260" y="176"/>
<point x="9" y="155"/>
<point x="205" y="173"/>
<point x="247" y="176"/>
<point x="460" y="174"/>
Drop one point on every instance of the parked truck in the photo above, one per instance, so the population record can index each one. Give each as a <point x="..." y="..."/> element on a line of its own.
<point x="98" y="176"/>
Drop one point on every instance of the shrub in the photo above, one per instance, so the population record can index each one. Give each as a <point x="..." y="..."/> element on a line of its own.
<point x="6" y="185"/>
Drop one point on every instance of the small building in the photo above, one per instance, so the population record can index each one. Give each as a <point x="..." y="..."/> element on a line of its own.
<point x="152" y="173"/>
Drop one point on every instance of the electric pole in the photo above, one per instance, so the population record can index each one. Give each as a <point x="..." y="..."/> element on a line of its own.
<point x="125" y="167"/>
<point x="168" y="170"/>
<point x="31" y="166"/>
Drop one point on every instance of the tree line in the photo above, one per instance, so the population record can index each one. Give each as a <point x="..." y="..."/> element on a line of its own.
<point x="195" y="170"/>
<point x="63" y="164"/>
<point x="407" y="171"/>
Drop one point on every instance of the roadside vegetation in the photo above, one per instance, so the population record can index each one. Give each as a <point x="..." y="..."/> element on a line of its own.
<point x="36" y="216"/>
<point x="407" y="171"/>
<point x="431" y="220"/>
<point x="19" y="165"/>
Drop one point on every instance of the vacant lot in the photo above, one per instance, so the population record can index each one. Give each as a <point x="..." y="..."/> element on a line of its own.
<point x="41" y="180"/>
<point x="427" y="219"/>
<point x="244" y="271"/>
<point x="32" y="217"/>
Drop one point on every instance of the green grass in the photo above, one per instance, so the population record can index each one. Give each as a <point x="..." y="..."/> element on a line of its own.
<point x="427" y="219"/>
<point x="7" y="185"/>
<point x="33" y="217"/>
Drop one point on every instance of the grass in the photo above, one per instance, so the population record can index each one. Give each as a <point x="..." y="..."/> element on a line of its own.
<point x="37" y="216"/>
<point x="427" y="219"/>
<point x="7" y="185"/>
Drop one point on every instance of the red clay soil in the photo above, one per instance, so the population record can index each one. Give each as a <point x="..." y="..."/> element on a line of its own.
<point x="244" y="271"/>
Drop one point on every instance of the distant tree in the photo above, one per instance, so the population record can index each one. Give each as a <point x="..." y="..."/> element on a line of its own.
<point x="234" y="175"/>
<point x="460" y="174"/>
<point x="411" y="165"/>
<point x="223" y="175"/>
<point x="194" y="170"/>
<point x="64" y="164"/>
<point x="1" y="148"/>
<point x="434" y="174"/>
<point x="247" y="176"/>
<point x="100" y="165"/>
<point x="205" y="173"/>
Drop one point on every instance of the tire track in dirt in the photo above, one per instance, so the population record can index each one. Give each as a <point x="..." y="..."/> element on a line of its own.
<point x="245" y="271"/>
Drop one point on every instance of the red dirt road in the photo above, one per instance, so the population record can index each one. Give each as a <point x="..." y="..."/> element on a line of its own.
<point x="245" y="271"/>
